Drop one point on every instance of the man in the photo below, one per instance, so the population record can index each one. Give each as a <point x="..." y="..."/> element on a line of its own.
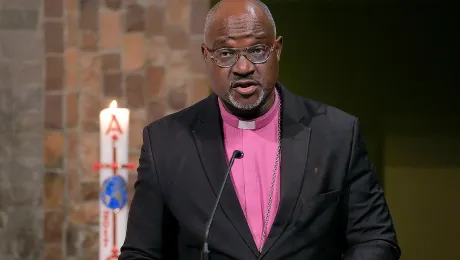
<point x="304" y="188"/>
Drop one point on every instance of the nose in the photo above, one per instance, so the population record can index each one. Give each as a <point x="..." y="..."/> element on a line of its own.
<point x="243" y="67"/>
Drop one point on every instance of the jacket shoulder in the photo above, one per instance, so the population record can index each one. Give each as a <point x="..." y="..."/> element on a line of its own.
<point x="331" y="116"/>
<point x="180" y="119"/>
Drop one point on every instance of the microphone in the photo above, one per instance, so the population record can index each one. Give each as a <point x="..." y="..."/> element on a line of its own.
<point x="237" y="154"/>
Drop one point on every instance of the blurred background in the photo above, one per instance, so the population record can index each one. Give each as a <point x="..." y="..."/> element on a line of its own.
<point x="394" y="64"/>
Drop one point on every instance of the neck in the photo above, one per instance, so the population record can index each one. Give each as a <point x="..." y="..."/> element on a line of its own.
<point x="254" y="113"/>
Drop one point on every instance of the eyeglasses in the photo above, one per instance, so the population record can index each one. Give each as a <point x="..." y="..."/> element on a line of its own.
<point x="227" y="57"/>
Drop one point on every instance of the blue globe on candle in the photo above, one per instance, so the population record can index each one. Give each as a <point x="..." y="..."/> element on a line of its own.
<point x="114" y="192"/>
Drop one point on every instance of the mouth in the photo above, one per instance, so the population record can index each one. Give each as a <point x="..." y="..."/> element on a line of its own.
<point x="245" y="87"/>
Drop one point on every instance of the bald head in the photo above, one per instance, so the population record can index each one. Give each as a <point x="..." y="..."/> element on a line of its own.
<point x="226" y="8"/>
<point x="242" y="51"/>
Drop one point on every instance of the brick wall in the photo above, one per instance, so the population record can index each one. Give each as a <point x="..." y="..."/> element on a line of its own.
<point x="146" y="55"/>
<point x="21" y="130"/>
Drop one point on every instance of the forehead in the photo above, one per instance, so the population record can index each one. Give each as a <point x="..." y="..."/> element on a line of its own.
<point x="233" y="25"/>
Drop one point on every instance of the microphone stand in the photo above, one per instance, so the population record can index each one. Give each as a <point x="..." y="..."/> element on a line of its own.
<point x="205" y="253"/>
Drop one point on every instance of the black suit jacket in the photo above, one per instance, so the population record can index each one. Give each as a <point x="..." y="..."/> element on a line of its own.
<point x="331" y="207"/>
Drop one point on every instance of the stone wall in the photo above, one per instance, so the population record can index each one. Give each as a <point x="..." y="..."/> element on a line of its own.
<point x="61" y="62"/>
<point x="21" y="130"/>
<point x="137" y="52"/>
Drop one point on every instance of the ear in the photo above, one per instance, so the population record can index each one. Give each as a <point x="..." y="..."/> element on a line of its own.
<point x="204" y="52"/>
<point x="279" y="47"/>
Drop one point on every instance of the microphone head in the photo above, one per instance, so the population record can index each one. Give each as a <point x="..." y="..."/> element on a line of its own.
<point x="238" y="154"/>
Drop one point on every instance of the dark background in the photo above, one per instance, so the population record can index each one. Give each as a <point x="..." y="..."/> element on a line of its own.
<point x="376" y="61"/>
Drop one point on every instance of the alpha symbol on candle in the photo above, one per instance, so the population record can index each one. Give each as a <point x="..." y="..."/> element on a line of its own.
<point x="114" y="126"/>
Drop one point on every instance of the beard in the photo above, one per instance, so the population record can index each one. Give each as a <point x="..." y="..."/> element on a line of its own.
<point x="247" y="106"/>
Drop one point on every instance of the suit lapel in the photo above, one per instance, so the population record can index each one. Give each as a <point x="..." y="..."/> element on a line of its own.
<point x="209" y="141"/>
<point x="295" y="140"/>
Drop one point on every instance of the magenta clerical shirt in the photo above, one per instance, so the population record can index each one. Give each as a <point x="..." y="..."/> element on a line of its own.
<point x="252" y="175"/>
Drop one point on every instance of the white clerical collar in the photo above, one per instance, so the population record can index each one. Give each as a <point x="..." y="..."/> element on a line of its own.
<point x="247" y="125"/>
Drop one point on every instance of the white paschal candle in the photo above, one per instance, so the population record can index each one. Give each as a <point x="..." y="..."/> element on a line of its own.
<point x="113" y="164"/>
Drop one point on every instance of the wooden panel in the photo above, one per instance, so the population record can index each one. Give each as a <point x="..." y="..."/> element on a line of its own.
<point x="424" y="205"/>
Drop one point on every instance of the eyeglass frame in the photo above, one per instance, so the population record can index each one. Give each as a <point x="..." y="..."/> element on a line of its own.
<point x="240" y="51"/>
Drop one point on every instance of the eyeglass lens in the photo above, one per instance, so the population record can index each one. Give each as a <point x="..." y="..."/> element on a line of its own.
<point x="255" y="54"/>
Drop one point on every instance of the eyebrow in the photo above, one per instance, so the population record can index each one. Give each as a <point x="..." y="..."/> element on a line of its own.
<point x="224" y="39"/>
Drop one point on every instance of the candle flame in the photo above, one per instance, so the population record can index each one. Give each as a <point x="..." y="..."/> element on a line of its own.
<point x="113" y="105"/>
